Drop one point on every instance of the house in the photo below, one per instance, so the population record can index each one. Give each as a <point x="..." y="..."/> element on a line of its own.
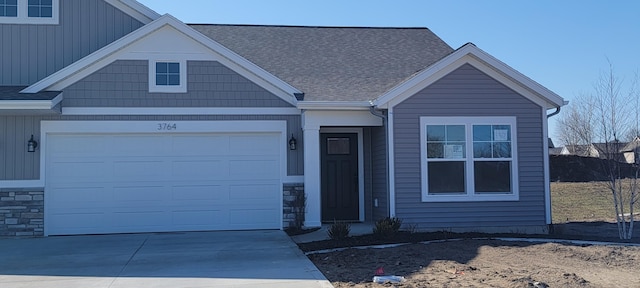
<point x="115" y="119"/>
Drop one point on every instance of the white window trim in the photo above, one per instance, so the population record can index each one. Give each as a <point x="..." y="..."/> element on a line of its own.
<point x="182" y="88"/>
<point x="23" y="16"/>
<point x="468" y="122"/>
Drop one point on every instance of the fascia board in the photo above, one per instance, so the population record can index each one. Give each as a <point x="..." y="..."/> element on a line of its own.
<point x="136" y="10"/>
<point x="334" y="105"/>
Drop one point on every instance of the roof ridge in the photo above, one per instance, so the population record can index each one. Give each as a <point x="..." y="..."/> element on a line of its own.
<point x="309" y="26"/>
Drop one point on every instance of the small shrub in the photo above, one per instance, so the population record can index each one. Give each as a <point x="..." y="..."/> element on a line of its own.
<point x="387" y="227"/>
<point x="339" y="230"/>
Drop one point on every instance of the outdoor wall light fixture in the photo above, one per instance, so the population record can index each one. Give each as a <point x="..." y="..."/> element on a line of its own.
<point x="32" y="145"/>
<point x="293" y="143"/>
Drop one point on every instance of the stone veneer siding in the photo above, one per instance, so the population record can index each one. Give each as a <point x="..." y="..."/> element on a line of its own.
<point x="290" y="192"/>
<point x="21" y="212"/>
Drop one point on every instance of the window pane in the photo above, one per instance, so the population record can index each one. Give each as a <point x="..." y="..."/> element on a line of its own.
<point x="174" y="67"/>
<point x="12" y="2"/>
<point x="492" y="176"/>
<point x="46" y="12"/>
<point x="435" y="150"/>
<point x="502" y="150"/>
<point x="435" y="133"/>
<point x="338" y="146"/>
<point x="481" y="132"/>
<point x="446" y="177"/>
<point x="161" y="80"/>
<point x="482" y="150"/>
<point x="454" y="150"/>
<point x="501" y="133"/>
<point x="34" y="11"/>
<point x="455" y="133"/>
<point x="174" y="80"/>
<point x="46" y="2"/>
<point x="34" y="2"/>
<point x="161" y="67"/>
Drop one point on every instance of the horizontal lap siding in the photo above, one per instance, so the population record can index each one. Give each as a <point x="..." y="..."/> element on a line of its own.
<point x="124" y="83"/>
<point x="18" y="164"/>
<point x="469" y="92"/>
<point x="29" y="53"/>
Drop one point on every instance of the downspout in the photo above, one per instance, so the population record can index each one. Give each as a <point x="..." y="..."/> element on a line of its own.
<point x="383" y="116"/>
<point x="547" y="176"/>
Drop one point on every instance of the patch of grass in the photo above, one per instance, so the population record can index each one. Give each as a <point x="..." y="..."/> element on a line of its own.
<point x="582" y="201"/>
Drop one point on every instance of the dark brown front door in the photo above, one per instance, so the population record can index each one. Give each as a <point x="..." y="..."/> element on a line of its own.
<point x="339" y="175"/>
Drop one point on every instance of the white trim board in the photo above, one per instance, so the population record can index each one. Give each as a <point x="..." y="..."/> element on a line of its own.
<point x="135" y="9"/>
<point x="30" y="104"/>
<point x="178" y="111"/>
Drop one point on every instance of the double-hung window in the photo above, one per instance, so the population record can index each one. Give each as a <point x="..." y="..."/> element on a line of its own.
<point x="29" y="11"/>
<point x="468" y="159"/>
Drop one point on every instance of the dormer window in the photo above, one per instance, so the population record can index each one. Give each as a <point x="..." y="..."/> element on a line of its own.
<point x="167" y="76"/>
<point x="29" y="11"/>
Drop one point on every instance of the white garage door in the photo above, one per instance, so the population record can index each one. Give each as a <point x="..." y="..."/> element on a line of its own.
<point x="106" y="183"/>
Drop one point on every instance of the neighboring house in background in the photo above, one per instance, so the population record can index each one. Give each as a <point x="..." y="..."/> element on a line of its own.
<point x="622" y="151"/>
<point x="583" y="150"/>
<point x="115" y="119"/>
<point x="559" y="151"/>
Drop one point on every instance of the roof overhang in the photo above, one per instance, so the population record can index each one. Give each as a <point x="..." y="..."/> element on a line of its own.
<point x="334" y="105"/>
<point x="470" y="54"/>
<point x="28" y="107"/>
<point x="135" y="9"/>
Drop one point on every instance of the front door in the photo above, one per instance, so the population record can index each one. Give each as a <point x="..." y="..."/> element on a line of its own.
<point x="339" y="172"/>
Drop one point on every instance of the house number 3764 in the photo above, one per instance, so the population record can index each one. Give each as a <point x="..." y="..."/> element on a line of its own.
<point x="167" y="126"/>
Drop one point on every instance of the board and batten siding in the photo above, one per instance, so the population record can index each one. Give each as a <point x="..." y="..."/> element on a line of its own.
<point x="29" y="53"/>
<point x="18" y="164"/>
<point x="125" y="83"/>
<point x="469" y="92"/>
<point x="379" y="172"/>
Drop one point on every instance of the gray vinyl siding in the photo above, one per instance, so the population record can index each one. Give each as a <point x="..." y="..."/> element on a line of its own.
<point x="18" y="164"/>
<point x="29" y="53"/>
<point x="379" y="172"/>
<point x="125" y="83"/>
<point x="469" y="92"/>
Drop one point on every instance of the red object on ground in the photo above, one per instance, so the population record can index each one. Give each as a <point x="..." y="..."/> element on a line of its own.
<point x="380" y="271"/>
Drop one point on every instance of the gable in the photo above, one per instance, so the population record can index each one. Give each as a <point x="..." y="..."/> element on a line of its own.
<point x="487" y="64"/>
<point x="165" y="39"/>
<point x="125" y="83"/>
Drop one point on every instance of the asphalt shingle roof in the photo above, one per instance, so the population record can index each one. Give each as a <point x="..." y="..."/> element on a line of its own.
<point x="333" y="63"/>
<point x="13" y="93"/>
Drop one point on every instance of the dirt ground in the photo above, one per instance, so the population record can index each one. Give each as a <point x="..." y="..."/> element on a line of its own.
<point x="485" y="263"/>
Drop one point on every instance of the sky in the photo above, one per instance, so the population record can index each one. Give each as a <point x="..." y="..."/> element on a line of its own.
<point x="561" y="44"/>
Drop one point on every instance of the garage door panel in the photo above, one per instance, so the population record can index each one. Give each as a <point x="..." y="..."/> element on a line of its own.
<point x="205" y="169"/>
<point x="141" y="218"/>
<point x="144" y="170"/>
<point x="203" y="218"/>
<point x="81" y="170"/>
<point x="91" y="196"/>
<point x="140" y="193"/>
<point x="254" y="145"/>
<point x="199" y="192"/>
<point x="187" y="182"/>
<point x="199" y="145"/>
<point x="253" y="217"/>
<point x="253" y="169"/>
<point x="87" y="145"/>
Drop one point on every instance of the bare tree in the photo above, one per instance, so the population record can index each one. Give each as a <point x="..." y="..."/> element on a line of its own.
<point x="604" y="117"/>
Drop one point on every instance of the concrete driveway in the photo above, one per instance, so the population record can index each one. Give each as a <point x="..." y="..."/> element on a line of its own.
<point x="193" y="259"/>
